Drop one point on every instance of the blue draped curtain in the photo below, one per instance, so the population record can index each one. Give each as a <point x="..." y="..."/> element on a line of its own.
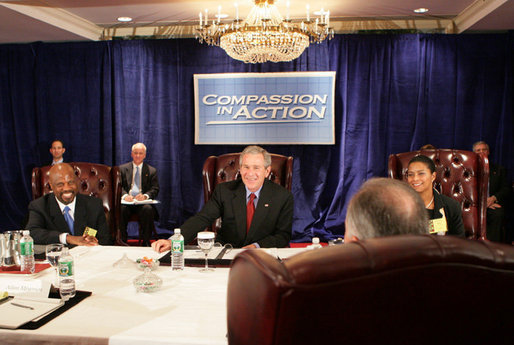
<point x="394" y="93"/>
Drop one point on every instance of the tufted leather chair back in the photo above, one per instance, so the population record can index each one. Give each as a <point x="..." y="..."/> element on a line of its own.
<point x="390" y="290"/>
<point x="224" y="168"/>
<point x="461" y="175"/>
<point x="101" y="181"/>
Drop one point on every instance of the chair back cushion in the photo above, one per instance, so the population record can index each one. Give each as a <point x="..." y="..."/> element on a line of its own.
<point x="461" y="175"/>
<point x="395" y="290"/>
<point x="98" y="180"/>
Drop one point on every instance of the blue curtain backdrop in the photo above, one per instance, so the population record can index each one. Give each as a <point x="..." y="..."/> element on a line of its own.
<point x="394" y="93"/>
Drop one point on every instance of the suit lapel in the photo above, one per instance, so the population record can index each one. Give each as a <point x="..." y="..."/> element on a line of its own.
<point x="145" y="173"/>
<point x="239" y="206"/>
<point x="55" y="213"/>
<point x="128" y="176"/>
<point x="80" y="221"/>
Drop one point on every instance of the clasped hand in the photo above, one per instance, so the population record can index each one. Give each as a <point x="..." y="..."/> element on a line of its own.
<point x="139" y="197"/>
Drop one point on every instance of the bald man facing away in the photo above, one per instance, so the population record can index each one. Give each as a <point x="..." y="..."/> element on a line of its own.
<point x="385" y="207"/>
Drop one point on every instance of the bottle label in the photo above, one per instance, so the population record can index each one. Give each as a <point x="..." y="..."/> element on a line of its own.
<point x="177" y="246"/>
<point x="65" y="268"/>
<point x="26" y="248"/>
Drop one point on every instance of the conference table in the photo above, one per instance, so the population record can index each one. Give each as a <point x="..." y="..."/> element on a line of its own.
<point x="189" y="308"/>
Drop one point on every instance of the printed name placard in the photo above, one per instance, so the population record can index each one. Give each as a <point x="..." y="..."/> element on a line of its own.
<point x="25" y="287"/>
<point x="265" y="108"/>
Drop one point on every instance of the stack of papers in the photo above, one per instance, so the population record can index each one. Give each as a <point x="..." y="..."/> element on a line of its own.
<point x="17" y="311"/>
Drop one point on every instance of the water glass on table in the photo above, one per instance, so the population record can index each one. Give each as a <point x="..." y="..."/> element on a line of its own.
<point x="53" y="253"/>
<point x="205" y="242"/>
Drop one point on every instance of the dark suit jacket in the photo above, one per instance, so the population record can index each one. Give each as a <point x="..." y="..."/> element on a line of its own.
<point x="452" y="212"/>
<point x="149" y="181"/>
<point x="498" y="185"/>
<point x="271" y="224"/>
<point x="46" y="221"/>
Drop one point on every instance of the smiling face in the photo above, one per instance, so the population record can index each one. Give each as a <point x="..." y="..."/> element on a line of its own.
<point x="63" y="182"/>
<point x="138" y="154"/>
<point x="57" y="150"/>
<point x="481" y="148"/>
<point x="420" y="177"/>
<point x="253" y="171"/>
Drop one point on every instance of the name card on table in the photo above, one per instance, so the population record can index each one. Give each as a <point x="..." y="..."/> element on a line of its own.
<point x="27" y="288"/>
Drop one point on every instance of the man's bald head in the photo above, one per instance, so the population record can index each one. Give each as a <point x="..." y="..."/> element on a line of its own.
<point x="63" y="181"/>
<point x="385" y="207"/>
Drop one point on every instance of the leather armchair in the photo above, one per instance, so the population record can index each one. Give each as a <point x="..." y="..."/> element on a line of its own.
<point x="224" y="168"/>
<point x="101" y="181"/>
<point x="461" y="175"/>
<point x="392" y="290"/>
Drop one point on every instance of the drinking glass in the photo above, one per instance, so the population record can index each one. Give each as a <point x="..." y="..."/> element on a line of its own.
<point x="53" y="253"/>
<point x="206" y="241"/>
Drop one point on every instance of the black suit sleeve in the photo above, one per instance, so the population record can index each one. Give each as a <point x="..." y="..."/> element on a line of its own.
<point x="103" y="235"/>
<point x="37" y="225"/>
<point x="211" y="211"/>
<point x="499" y="185"/>
<point x="152" y="188"/>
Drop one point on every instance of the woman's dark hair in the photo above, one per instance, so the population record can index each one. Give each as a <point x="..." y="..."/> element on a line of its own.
<point x="424" y="159"/>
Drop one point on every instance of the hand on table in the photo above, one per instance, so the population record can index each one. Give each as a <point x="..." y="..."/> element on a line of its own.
<point x="84" y="240"/>
<point x="161" y="245"/>
<point x="250" y="246"/>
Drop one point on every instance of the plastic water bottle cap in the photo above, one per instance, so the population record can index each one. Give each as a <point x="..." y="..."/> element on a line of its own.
<point x="315" y="240"/>
<point x="177" y="231"/>
<point x="26" y="232"/>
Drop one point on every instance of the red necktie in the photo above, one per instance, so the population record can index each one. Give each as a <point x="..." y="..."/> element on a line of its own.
<point x="250" y="210"/>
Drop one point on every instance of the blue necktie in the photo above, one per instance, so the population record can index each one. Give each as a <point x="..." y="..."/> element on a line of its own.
<point x="136" y="187"/>
<point x="68" y="218"/>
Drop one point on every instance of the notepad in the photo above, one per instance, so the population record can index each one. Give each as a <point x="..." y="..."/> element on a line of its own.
<point x="140" y="202"/>
<point x="17" y="311"/>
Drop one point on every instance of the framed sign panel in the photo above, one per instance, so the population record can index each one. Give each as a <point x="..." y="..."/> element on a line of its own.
<point x="264" y="108"/>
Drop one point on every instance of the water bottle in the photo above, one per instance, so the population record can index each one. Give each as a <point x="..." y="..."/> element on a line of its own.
<point x="177" y="251"/>
<point x="315" y="244"/>
<point x="28" y="263"/>
<point x="66" y="275"/>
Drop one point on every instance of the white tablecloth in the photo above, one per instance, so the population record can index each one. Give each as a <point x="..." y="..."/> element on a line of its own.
<point x="190" y="308"/>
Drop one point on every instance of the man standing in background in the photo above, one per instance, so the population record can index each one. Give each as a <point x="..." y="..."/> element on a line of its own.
<point x="57" y="150"/>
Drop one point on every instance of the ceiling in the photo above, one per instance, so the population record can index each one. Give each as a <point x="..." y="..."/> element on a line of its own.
<point x="82" y="20"/>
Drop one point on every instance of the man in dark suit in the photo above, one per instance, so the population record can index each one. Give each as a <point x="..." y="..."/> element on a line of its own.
<point x="499" y="191"/>
<point x="138" y="182"/>
<point x="62" y="216"/>
<point x="270" y="204"/>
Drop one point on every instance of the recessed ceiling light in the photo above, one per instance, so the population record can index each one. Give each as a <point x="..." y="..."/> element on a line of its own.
<point x="421" y="10"/>
<point x="124" y="19"/>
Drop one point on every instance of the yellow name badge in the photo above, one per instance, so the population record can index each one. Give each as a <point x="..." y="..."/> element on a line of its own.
<point x="438" y="225"/>
<point x="90" y="232"/>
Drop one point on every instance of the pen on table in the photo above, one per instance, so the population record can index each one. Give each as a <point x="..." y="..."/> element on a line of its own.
<point x="22" y="306"/>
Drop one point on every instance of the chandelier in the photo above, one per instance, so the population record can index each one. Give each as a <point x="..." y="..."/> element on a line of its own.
<point x="264" y="35"/>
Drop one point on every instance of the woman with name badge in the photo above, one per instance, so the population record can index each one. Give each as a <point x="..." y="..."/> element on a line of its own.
<point x="444" y="213"/>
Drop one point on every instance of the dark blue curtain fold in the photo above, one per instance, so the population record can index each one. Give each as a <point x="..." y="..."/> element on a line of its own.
<point x="394" y="93"/>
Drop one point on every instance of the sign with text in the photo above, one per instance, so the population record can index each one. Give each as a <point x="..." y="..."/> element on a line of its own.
<point x="265" y="108"/>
